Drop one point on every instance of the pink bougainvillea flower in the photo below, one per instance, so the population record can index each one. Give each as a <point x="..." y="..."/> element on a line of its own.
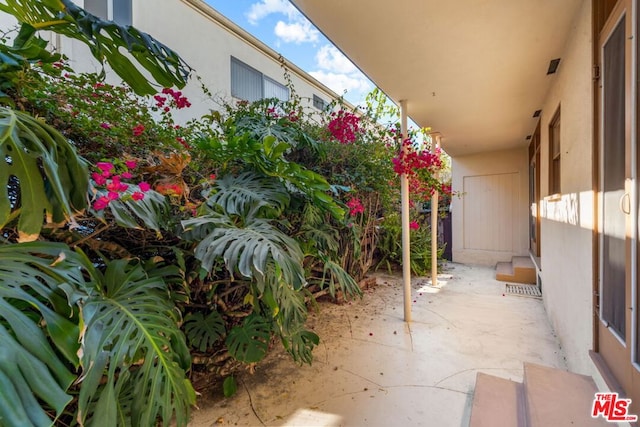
<point x="99" y="179"/>
<point x="112" y="195"/>
<point x="105" y="166"/>
<point x="160" y="100"/>
<point x="344" y="126"/>
<point x="131" y="164"/>
<point x="105" y="125"/>
<point x="137" y="196"/>
<point x="126" y="175"/>
<point x="137" y="130"/>
<point x="101" y="203"/>
<point x="355" y="206"/>
<point x="414" y="225"/>
<point x="144" y="186"/>
<point x="116" y="186"/>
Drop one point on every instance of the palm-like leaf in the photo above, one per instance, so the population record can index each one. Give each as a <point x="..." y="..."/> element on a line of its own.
<point x="247" y="250"/>
<point x="203" y="331"/>
<point x="52" y="179"/>
<point x="131" y="333"/>
<point x="105" y="39"/>
<point x="249" y="342"/>
<point x="31" y="370"/>
<point x="247" y="193"/>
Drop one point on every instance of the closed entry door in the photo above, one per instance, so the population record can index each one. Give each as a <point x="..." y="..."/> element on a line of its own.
<point x="617" y="322"/>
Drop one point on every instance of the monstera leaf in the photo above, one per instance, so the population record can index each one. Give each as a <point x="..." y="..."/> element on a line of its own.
<point x="33" y="371"/>
<point x="247" y="193"/>
<point x="41" y="176"/>
<point x="249" y="342"/>
<point x="203" y="331"/>
<point x="131" y="334"/>
<point x="107" y="40"/>
<point x="152" y="211"/>
<point x="248" y="249"/>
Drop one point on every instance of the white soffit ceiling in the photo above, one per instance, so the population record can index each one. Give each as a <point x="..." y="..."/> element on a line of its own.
<point x="473" y="70"/>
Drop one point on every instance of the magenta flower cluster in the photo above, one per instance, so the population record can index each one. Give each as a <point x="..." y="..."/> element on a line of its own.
<point x="344" y="126"/>
<point x="355" y="206"/>
<point x="113" y="182"/>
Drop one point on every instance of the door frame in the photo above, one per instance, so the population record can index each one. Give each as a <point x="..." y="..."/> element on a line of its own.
<point x="617" y="357"/>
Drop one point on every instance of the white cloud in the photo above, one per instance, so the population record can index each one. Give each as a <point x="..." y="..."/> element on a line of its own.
<point x="296" y="32"/>
<point x="331" y="59"/>
<point x="267" y="7"/>
<point x="295" y="29"/>
<point x="340" y="83"/>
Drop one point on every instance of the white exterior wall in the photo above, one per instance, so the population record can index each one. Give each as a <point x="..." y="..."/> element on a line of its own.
<point x="206" y="40"/>
<point x="489" y="224"/>
<point x="567" y="223"/>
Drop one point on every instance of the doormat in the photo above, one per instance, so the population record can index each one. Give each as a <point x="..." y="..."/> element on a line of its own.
<point x="523" y="290"/>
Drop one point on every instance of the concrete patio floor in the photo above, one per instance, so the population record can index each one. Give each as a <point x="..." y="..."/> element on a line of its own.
<point x="373" y="369"/>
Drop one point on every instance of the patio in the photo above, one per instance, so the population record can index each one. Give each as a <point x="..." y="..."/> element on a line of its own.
<point x="373" y="369"/>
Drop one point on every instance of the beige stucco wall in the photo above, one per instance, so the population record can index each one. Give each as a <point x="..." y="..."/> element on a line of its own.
<point x="490" y="227"/>
<point x="206" y="41"/>
<point x="567" y="223"/>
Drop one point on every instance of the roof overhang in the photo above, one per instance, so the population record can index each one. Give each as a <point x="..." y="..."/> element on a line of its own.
<point x="473" y="70"/>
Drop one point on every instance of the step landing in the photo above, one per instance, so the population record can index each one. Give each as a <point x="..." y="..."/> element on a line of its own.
<point x="521" y="269"/>
<point x="547" y="397"/>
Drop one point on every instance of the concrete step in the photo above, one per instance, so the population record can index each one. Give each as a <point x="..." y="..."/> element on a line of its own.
<point x="547" y="397"/>
<point x="497" y="402"/>
<point x="521" y="269"/>
<point x="558" y="398"/>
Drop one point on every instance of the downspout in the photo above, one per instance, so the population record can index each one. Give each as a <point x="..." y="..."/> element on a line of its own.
<point x="435" y="144"/>
<point x="406" y="243"/>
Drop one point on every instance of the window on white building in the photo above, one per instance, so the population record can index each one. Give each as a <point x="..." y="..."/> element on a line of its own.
<point x="251" y="85"/>
<point x="119" y="11"/>
<point x="319" y="103"/>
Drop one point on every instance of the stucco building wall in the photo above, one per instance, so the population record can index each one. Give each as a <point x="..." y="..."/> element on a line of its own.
<point x="567" y="221"/>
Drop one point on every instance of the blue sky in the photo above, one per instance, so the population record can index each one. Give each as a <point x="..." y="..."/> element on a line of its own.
<point x="279" y="25"/>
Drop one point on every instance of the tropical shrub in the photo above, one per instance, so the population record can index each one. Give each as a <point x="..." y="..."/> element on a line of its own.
<point x="136" y="252"/>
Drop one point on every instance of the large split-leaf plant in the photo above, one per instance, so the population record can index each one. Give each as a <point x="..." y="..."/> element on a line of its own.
<point x="240" y="225"/>
<point x="98" y="345"/>
<point x="118" y="325"/>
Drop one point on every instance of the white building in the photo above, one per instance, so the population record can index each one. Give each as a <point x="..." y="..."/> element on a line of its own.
<point x="230" y="62"/>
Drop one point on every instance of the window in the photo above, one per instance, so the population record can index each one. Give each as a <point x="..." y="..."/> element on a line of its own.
<point x="119" y="11"/>
<point x="251" y="85"/>
<point x="554" y="154"/>
<point x="319" y="103"/>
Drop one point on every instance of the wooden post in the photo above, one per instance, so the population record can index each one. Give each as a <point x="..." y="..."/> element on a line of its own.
<point x="406" y="243"/>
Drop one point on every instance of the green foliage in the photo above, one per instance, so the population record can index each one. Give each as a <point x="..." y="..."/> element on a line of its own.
<point x="203" y="331"/>
<point x="236" y="152"/>
<point x="50" y="178"/>
<point x="250" y="243"/>
<point x="106" y="39"/>
<point x="152" y="212"/>
<point x="248" y="193"/>
<point x="121" y="323"/>
<point x="229" y="386"/>
<point x="26" y="50"/>
<point x="390" y="246"/>
<point x="131" y="336"/>
<point x="249" y="342"/>
<point x="98" y="337"/>
<point x="34" y="361"/>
